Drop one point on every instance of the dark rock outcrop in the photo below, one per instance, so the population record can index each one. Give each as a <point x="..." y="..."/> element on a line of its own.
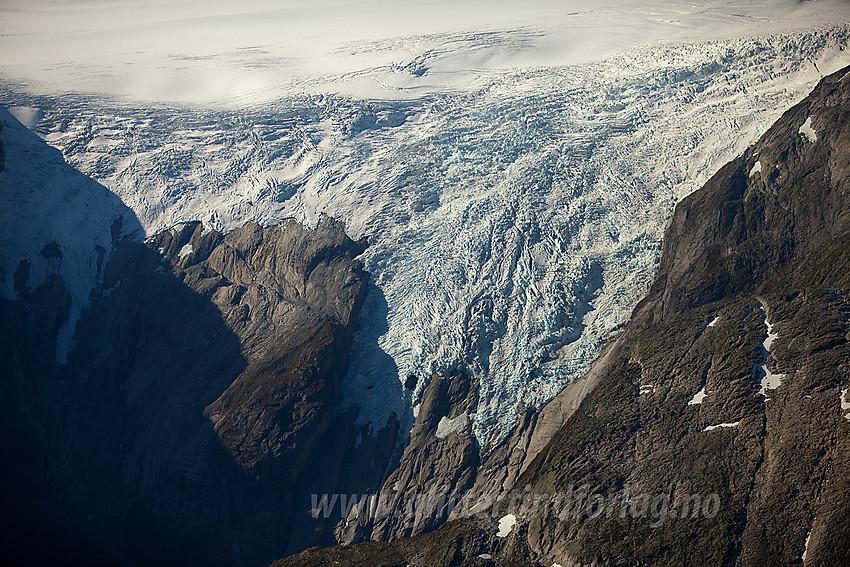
<point x="440" y="459"/>
<point x="198" y="409"/>
<point x="678" y="417"/>
<point x="2" y="155"/>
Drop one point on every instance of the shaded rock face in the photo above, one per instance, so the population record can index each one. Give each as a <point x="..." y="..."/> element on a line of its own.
<point x="2" y="155"/>
<point x="291" y="296"/>
<point x="455" y="544"/>
<point x="753" y="282"/>
<point x="196" y="413"/>
<point x="441" y="458"/>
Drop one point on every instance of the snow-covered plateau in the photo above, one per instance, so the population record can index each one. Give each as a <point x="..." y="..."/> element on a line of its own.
<point x="513" y="225"/>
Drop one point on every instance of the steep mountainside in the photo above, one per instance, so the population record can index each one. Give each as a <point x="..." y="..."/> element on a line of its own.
<point x="511" y="227"/>
<point x="730" y="385"/>
<point x="197" y="408"/>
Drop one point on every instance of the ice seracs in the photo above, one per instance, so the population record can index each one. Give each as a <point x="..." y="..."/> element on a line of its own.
<point x="55" y="220"/>
<point x="756" y="168"/>
<point x="511" y="229"/>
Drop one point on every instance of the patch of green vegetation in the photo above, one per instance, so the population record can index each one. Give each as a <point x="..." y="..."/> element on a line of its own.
<point x="598" y="421"/>
<point x="824" y="266"/>
<point x="682" y="542"/>
<point x="672" y="335"/>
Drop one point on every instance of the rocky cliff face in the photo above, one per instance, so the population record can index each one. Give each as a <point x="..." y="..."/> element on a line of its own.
<point x="730" y="385"/>
<point x="197" y="410"/>
<point x="199" y="407"/>
<point x="441" y="457"/>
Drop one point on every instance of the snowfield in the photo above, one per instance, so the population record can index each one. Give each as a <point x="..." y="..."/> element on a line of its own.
<point x="513" y="224"/>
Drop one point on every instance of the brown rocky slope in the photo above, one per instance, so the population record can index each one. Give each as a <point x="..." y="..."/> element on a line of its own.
<point x="765" y="241"/>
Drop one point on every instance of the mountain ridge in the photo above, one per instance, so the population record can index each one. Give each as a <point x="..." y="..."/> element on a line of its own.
<point x="758" y="252"/>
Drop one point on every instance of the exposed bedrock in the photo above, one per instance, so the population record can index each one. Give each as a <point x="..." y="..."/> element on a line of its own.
<point x="198" y="409"/>
<point x="753" y="283"/>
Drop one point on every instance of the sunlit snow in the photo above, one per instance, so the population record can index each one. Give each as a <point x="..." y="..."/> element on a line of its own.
<point x="513" y="167"/>
<point x="448" y="426"/>
<point x="698" y="397"/>
<point x="506" y="524"/>
<point x="719" y="425"/>
<point x="249" y="52"/>
<point x="807" y="130"/>
<point x="185" y="251"/>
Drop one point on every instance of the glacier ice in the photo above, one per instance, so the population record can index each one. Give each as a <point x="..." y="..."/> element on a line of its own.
<point x="46" y="204"/>
<point x="512" y="228"/>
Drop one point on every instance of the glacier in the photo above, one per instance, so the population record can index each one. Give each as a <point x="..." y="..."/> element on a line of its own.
<point x="218" y="53"/>
<point x="512" y="226"/>
<point x="56" y="221"/>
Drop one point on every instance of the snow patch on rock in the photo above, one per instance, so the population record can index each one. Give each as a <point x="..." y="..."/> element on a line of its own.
<point x="185" y="251"/>
<point x="769" y="380"/>
<point x="719" y="425"/>
<point x="448" y="426"/>
<point x="698" y="397"/>
<point x="806" y="548"/>
<point x="807" y="130"/>
<point x="506" y="524"/>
